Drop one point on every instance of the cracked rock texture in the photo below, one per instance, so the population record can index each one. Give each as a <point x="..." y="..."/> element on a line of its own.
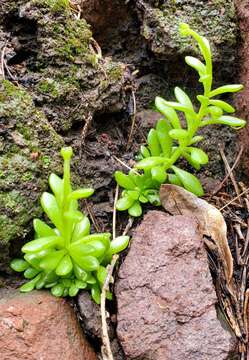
<point x="165" y="296"/>
<point x="40" y="326"/>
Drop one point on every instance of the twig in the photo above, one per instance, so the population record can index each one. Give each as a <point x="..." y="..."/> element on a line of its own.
<point x="106" y="346"/>
<point x="88" y="121"/>
<point x="237" y="197"/>
<point x="2" y="60"/>
<point x="219" y="187"/>
<point x="229" y="171"/>
<point x="94" y="221"/>
<point x="114" y="213"/>
<point x="133" y="118"/>
<point x="125" y="165"/>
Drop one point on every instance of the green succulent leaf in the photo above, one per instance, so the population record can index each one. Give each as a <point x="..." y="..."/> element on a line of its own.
<point x="57" y="290"/>
<point x="159" y="174"/>
<point x="56" y="185"/>
<point x="81" y="229"/>
<point x="19" y="265"/>
<point x="51" y="208"/>
<point x="168" y="112"/>
<point x="153" y="143"/>
<point x="42" y="229"/>
<point x="178" y="134"/>
<point x="196" y="64"/>
<point x="29" y="286"/>
<point x="124" y="203"/>
<point x="144" y="152"/>
<point x="183" y="98"/>
<point x="189" y="181"/>
<point x="151" y="162"/>
<point x="95" y="292"/>
<point x="65" y="266"/>
<point x="162" y="129"/>
<point x="125" y="181"/>
<point x="223" y="105"/>
<point x="30" y="273"/>
<point x="199" y="156"/>
<point x="88" y="263"/>
<point x="41" y="244"/>
<point x="119" y="244"/>
<point x="231" y="121"/>
<point x="51" y="261"/>
<point x="226" y="89"/>
<point x="80" y="194"/>
<point x="135" y="210"/>
<point x="174" y="179"/>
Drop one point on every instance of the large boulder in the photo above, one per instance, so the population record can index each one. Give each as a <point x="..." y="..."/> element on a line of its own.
<point x="165" y="296"/>
<point x="40" y="326"/>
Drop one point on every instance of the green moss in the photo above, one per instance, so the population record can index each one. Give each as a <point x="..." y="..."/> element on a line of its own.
<point x="57" y="5"/>
<point x="115" y="71"/>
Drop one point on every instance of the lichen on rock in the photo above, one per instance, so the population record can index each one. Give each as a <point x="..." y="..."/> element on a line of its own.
<point x="28" y="152"/>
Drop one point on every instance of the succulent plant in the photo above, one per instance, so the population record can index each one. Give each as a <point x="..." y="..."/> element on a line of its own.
<point x="65" y="257"/>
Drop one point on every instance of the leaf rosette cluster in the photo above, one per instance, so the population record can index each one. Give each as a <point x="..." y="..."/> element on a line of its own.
<point x="65" y="257"/>
<point x="174" y="138"/>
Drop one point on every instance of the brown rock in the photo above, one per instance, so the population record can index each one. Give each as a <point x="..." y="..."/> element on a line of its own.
<point x="242" y="99"/>
<point x="166" y="300"/>
<point x="39" y="326"/>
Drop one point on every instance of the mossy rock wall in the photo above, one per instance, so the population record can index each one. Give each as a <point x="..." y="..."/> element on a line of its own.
<point x="55" y="77"/>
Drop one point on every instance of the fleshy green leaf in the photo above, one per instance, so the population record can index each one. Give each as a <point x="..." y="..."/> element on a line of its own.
<point x="29" y="286"/>
<point x="51" y="261"/>
<point x="56" y="185"/>
<point x="125" y="181"/>
<point x="189" y="181"/>
<point x="80" y="194"/>
<point x="135" y="210"/>
<point x="174" y="179"/>
<point x="42" y="229"/>
<point x="81" y="229"/>
<point x="199" y="156"/>
<point x="73" y="290"/>
<point x="119" y="244"/>
<point x="153" y="143"/>
<point x="158" y="173"/>
<point x="150" y="162"/>
<point x="196" y="64"/>
<point x="30" y="272"/>
<point x="57" y="290"/>
<point x="88" y="263"/>
<point x="183" y="98"/>
<point x="144" y="151"/>
<point x="95" y="292"/>
<point x="178" y="134"/>
<point x="41" y="244"/>
<point x="124" y="203"/>
<point x="226" y="89"/>
<point x="196" y="139"/>
<point x="19" y="265"/>
<point x="50" y="206"/>
<point x="168" y="112"/>
<point x="231" y="121"/>
<point x="101" y="274"/>
<point x="223" y="105"/>
<point x="162" y="129"/>
<point x="65" y="266"/>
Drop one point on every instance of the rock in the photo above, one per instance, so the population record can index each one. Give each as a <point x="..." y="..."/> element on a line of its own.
<point x="29" y="153"/>
<point x="242" y="99"/>
<point x="165" y="296"/>
<point x="39" y="326"/>
<point x="91" y="320"/>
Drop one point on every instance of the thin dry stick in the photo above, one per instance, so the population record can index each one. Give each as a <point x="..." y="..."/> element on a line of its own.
<point x="88" y="121"/>
<point x="114" y="216"/>
<point x="237" y="197"/>
<point x="2" y="61"/>
<point x="106" y="346"/>
<point x="133" y="117"/>
<point x="124" y="164"/>
<point x="92" y="217"/>
<point x="219" y="187"/>
<point x="235" y="185"/>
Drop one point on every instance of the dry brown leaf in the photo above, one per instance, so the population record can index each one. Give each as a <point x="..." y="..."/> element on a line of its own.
<point x="177" y="200"/>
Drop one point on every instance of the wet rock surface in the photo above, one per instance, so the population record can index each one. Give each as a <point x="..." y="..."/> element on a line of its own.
<point x="165" y="296"/>
<point x="39" y="326"/>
